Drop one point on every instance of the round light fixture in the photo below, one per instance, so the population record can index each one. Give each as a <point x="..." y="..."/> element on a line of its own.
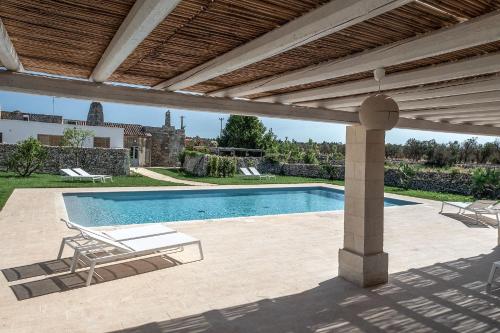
<point x="379" y="112"/>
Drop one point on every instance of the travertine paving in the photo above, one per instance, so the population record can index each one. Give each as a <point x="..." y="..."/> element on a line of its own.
<point x="260" y="274"/>
<point x="158" y="176"/>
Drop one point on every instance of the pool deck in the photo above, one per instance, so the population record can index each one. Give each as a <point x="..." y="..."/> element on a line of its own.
<point x="260" y="274"/>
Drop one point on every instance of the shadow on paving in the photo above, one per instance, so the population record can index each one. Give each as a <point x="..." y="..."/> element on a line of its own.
<point x="70" y="281"/>
<point x="445" y="297"/>
<point x="469" y="220"/>
<point x="37" y="269"/>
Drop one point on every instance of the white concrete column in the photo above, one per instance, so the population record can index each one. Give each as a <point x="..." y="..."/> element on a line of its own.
<point x="362" y="260"/>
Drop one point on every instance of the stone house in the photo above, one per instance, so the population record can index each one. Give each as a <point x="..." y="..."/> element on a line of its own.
<point x="148" y="145"/>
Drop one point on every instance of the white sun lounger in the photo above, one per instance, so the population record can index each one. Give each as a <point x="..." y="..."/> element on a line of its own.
<point x="247" y="173"/>
<point x="257" y="173"/>
<point x="478" y="207"/>
<point x="83" y="241"/>
<point x="494" y="267"/>
<point x="86" y="174"/>
<point x="107" y="250"/>
<point x="70" y="174"/>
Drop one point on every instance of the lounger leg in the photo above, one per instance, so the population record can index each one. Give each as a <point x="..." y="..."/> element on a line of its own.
<point x="91" y="273"/>
<point x="74" y="263"/>
<point x="201" y="251"/>
<point x="492" y="274"/>
<point x="61" y="248"/>
<point x="442" y="207"/>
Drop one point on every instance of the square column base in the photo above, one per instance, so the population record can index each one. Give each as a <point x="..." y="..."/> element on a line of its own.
<point x="363" y="270"/>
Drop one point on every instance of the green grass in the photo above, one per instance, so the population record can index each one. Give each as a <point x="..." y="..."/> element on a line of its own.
<point x="438" y="196"/>
<point x="240" y="180"/>
<point x="9" y="181"/>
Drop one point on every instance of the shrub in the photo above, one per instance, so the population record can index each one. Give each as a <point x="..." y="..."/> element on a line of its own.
<point x="486" y="183"/>
<point x="310" y="157"/>
<point x="28" y="157"/>
<point x="182" y="157"/>
<point x="406" y="174"/>
<point x="213" y="166"/>
<point x="221" y="166"/>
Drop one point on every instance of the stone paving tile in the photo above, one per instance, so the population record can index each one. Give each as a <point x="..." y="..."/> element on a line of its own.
<point x="260" y="274"/>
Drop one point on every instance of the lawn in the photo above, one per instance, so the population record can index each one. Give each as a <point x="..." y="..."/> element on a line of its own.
<point x="9" y="181"/>
<point x="241" y="180"/>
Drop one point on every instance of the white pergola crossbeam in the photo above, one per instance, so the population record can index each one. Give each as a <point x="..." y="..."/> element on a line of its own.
<point x="8" y="55"/>
<point x="479" y="65"/>
<point x="465" y="115"/>
<point x="130" y="95"/>
<point x="478" y="107"/>
<point x="434" y="91"/>
<point x="484" y="97"/>
<point x="329" y="18"/>
<point x="477" y="31"/>
<point x="426" y="125"/>
<point x="141" y="20"/>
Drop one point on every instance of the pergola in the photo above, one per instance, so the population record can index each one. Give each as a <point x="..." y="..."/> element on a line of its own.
<point x="294" y="59"/>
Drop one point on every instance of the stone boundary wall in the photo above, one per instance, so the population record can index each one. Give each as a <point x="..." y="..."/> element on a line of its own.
<point x="100" y="161"/>
<point x="458" y="183"/>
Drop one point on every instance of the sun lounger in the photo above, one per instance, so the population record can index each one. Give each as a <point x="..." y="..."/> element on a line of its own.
<point x="257" y="173"/>
<point x="479" y="207"/>
<point x="83" y="241"/>
<point x="107" y="250"/>
<point x="247" y="173"/>
<point x="70" y="174"/>
<point x="494" y="267"/>
<point x="86" y="174"/>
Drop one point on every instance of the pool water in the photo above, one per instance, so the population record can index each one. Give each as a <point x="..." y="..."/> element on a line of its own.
<point x="116" y="208"/>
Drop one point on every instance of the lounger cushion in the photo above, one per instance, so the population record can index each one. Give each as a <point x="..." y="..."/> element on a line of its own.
<point x="159" y="242"/>
<point x="136" y="232"/>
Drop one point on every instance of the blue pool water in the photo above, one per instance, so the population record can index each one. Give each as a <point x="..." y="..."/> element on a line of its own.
<point x="115" y="208"/>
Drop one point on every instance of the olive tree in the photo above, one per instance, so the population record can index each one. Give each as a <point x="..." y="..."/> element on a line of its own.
<point x="28" y="157"/>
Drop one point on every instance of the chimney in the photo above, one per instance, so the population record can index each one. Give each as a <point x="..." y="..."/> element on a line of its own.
<point x="95" y="116"/>
<point x="182" y="122"/>
<point x="167" y="119"/>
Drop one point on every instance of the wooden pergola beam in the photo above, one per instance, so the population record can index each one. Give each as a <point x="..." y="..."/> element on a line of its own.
<point x="140" y="21"/>
<point x="471" y="86"/>
<point x="327" y="19"/>
<point x="40" y="85"/>
<point x="8" y="55"/>
<point x="477" y="31"/>
<point x="464" y="115"/>
<point x="478" y="107"/>
<point x="473" y="119"/>
<point x="479" y="65"/>
<point x="131" y="95"/>
<point x="426" y="125"/>
<point x="483" y="97"/>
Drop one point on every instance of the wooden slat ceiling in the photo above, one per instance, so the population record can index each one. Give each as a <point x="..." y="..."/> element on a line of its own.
<point x="68" y="37"/>
<point x="62" y="37"/>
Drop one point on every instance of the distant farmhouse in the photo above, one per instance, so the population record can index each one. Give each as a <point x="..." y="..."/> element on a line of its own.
<point x="149" y="146"/>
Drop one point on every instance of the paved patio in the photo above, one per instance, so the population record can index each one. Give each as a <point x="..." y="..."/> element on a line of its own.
<point x="265" y="274"/>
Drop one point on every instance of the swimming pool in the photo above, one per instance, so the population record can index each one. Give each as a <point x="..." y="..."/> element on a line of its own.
<point x="116" y="208"/>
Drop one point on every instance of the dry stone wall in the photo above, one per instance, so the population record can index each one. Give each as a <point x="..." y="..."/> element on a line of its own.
<point x="101" y="161"/>
<point x="458" y="183"/>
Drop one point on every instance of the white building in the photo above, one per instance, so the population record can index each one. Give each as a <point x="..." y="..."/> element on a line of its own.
<point x="50" y="131"/>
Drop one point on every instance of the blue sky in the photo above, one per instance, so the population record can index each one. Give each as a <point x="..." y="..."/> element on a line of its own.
<point x="203" y="124"/>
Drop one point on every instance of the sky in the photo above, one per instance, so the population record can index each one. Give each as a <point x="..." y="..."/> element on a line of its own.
<point x="203" y="124"/>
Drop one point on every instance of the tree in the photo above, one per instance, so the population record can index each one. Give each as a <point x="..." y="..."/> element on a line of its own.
<point x="74" y="139"/>
<point x="312" y="151"/>
<point x="28" y="157"/>
<point x="414" y="149"/>
<point x="243" y="132"/>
